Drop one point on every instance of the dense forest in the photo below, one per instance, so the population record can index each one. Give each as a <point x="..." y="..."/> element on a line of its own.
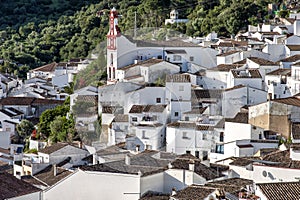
<point x="37" y="32"/>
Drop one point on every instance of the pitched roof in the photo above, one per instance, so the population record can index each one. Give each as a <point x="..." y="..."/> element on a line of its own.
<point x="202" y="170"/>
<point x="121" y="118"/>
<point x="53" y="148"/>
<point x="228" y="53"/>
<point x="235" y="87"/>
<point x="197" y="111"/>
<point x="281" y="159"/>
<point x="147" y="108"/>
<point x="226" y="67"/>
<point x="190" y="125"/>
<point x="293" y="58"/>
<point x="46" y="68"/>
<point x="147" y="162"/>
<point x="176" y="51"/>
<point x="294" y="47"/>
<point x="11" y="187"/>
<point x="207" y="93"/>
<point x="240" y="117"/>
<point x="281" y="190"/>
<point x="243" y="161"/>
<point x="261" y="61"/>
<point x="194" y="192"/>
<point x="248" y="73"/>
<point x="146" y="63"/>
<point x="285" y="72"/>
<point x="28" y="101"/>
<point x="47" y="175"/>
<point x="178" y="78"/>
<point x="294" y="101"/>
<point x="231" y="185"/>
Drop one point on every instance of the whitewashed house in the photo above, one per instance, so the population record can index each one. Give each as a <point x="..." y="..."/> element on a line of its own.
<point x="295" y="79"/>
<point x="240" y="148"/>
<point x="190" y="137"/>
<point x="278" y="83"/>
<point x="178" y="94"/>
<point x="147" y="71"/>
<point x="233" y="99"/>
<point x="147" y="127"/>
<point x="250" y="77"/>
<point x="174" y="14"/>
<point x="228" y="57"/>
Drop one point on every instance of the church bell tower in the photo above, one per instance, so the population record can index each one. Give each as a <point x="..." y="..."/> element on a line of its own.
<point x="112" y="35"/>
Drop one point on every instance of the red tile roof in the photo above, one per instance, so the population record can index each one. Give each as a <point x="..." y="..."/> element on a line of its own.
<point x="46" y="68"/>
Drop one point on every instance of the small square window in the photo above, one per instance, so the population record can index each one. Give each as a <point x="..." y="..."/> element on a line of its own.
<point x="184" y="135"/>
<point x="176" y="114"/>
<point x="158" y="100"/>
<point x="197" y="154"/>
<point x="191" y="58"/>
<point x="188" y="152"/>
<point x="204" y="136"/>
<point x="134" y="119"/>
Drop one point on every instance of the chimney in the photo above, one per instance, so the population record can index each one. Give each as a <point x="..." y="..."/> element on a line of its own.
<point x="127" y="159"/>
<point x="192" y="165"/>
<point x="54" y="170"/>
<point x="174" y="191"/>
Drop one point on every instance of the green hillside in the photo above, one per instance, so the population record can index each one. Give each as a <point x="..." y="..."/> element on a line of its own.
<point x="37" y="32"/>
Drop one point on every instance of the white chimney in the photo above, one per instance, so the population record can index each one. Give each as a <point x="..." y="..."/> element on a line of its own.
<point x="127" y="159"/>
<point x="54" y="170"/>
<point x="174" y="191"/>
<point x="192" y="165"/>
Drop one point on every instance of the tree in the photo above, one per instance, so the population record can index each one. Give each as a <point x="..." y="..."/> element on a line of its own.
<point x="25" y="128"/>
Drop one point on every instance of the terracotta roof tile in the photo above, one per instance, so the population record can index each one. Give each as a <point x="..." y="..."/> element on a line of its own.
<point x="294" y="101"/>
<point x="294" y="47"/>
<point x="46" y="68"/>
<point x="28" y="101"/>
<point x="240" y="117"/>
<point x="249" y="73"/>
<point x="11" y="187"/>
<point x="285" y="72"/>
<point x="228" y="53"/>
<point x="293" y="58"/>
<point x="53" y="148"/>
<point x="280" y="191"/>
<point x="178" y="78"/>
<point x="226" y="67"/>
<point x="261" y="61"/>
<point x="147" y="108"/>
<point x="194" y="192"/>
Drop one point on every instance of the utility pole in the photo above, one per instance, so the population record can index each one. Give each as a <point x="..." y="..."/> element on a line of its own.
<point x="134" y="33"/>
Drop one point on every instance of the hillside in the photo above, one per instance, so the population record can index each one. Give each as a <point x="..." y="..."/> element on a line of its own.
<point x="37" y="32"/>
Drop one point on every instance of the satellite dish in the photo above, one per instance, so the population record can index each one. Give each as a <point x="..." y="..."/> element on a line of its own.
<point x="264" y="173"/>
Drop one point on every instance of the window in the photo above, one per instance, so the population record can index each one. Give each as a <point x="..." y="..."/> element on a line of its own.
<point x="181" y="88"/>
<point x="204" y="136"/>
<point x="188" y="152"/>
<point x="176" y="114"/>
<point x="197" y="154"/>
<point x="222" y="137"/>
<point x="8" y="129"/>
<point x="177" y="58"/>
<point x="134" y="119"/>
<point x="184" y="135"/>
<point x="192" y="58"/>
<point x="144" y="135"/>
<point x="187" y="118"/>
<point x="158" y="100"/>
<point x="204" y="155"/>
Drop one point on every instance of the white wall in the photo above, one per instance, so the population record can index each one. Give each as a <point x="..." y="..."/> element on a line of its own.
<point x="4" y="139"/>
<point x="93" y="185"/>
<point x="266" y="174"/>
<point x="32" y="196"/>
